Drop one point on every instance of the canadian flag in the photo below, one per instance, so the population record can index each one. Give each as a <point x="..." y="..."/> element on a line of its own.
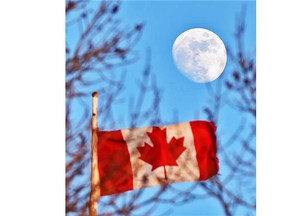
<point x="133" y="158"/>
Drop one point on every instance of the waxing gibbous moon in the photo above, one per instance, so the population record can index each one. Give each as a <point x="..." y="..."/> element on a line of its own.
<point x="200" y="55"/>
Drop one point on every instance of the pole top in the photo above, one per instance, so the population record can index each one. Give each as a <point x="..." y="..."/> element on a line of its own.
<point x="95" y="94"/>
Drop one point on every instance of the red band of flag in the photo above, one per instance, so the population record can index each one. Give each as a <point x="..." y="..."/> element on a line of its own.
<point x="205" y="144"/>
<point x="114" y="165"/>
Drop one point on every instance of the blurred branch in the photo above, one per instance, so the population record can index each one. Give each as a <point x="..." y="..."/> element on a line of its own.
<point x="243" y="80"/>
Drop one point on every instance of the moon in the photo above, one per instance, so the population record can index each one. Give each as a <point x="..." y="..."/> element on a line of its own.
<point x="200" y="55"/>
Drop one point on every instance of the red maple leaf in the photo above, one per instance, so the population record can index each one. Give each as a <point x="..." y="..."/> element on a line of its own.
<point x="162" y="153"/>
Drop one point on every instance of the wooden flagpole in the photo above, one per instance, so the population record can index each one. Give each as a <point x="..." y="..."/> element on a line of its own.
<point x="95" y="190"/>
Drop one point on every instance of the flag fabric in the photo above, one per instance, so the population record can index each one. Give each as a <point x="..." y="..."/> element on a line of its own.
<point x="134" y="158"/>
